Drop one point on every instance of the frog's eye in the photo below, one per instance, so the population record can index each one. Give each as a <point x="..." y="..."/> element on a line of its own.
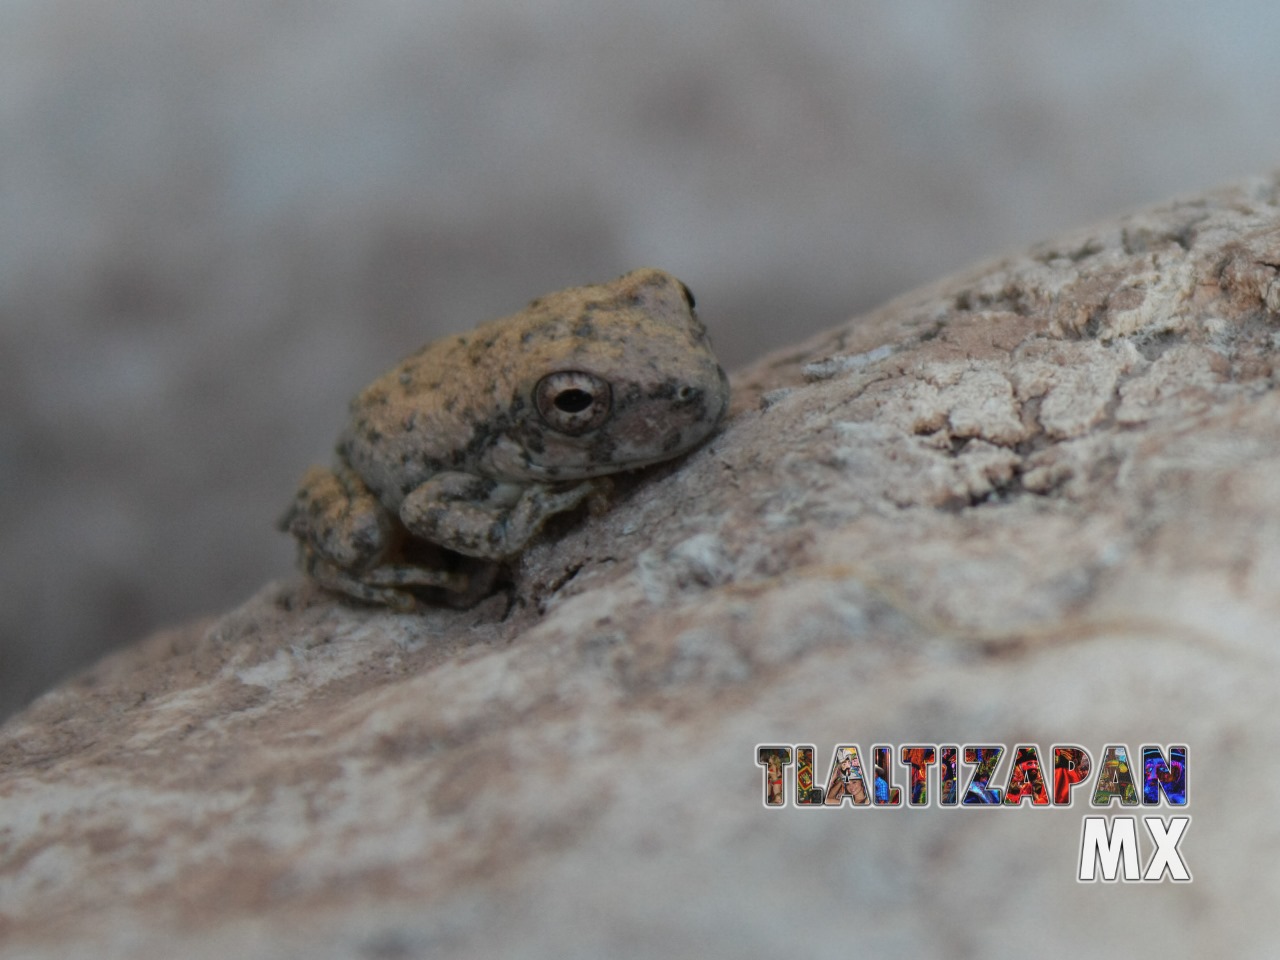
<point x="573" y="402"/>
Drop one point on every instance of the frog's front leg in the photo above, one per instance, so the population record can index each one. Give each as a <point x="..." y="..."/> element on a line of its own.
<point x="483" y="518"/>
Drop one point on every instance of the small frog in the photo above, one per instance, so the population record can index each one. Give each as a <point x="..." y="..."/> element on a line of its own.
<point x="470" y="444"/>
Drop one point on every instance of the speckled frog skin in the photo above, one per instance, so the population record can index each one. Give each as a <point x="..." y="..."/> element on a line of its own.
<point x="470" y="444"/>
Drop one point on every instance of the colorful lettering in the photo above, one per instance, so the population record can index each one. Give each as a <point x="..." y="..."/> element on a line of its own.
<point x="1167" y="775"/>
<point x="887" y="794"/>
<point x="846" y="781"/>
<point x="918" y="760"/>
<point x="774" y="759"/>
<point x="1026" y="779"/>
<point x="985" y="760"/>
<point x="1115" y="778"/>
<point x="807" y="794"/>
<point x="949" y="776"/>
<point x="1071" y="765"/>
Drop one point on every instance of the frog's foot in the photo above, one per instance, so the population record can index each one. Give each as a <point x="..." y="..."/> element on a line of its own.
<point x="407" y="575"/>
<point x="479" y="518"/>
<point x="390" y="585"/>
<point x="332" y="578"/>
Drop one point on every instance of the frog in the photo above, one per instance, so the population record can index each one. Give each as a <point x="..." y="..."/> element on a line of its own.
<point x="452" y="462"/>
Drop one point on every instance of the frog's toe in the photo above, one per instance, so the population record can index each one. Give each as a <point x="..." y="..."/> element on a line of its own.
<point x="332" y="578"/>
<point x="408" y="575"/>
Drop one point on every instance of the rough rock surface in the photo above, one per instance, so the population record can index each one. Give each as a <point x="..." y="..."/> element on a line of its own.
<point x="1038" y="503"/>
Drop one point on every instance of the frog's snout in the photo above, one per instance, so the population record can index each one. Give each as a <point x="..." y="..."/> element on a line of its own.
<point x="714" y="398"/>
<point x="707" y="399"/>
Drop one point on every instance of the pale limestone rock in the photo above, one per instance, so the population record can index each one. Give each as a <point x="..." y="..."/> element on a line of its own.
<point x="1039" y="503"/>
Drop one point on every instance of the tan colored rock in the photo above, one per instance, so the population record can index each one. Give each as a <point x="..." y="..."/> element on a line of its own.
<point x="1039" y="503"/>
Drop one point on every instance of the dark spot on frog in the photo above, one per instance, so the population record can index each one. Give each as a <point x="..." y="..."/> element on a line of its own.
<point x="602" y="449"/>
<point x="585" y="327"/>
<point x="666" y="390"/>
<point x="623" y="399"/>
<point x="410" y="421"/>
<point x="479" y="349"/>
<point x="450" y="404"/>
<point x="680" y="395"/>
<point x="406" y="378"/>
<point x="484" y="434"/>
<point x="652" y="282"/>
<point x="433" y="516"/>
<point x="671" y="442"/>
<point x="533" y="441"/>
<point x="366" y="539"/>
<point x="418" y="472"/>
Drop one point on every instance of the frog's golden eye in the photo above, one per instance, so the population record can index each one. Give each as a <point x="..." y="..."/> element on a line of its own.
<point x="573" y="402"/>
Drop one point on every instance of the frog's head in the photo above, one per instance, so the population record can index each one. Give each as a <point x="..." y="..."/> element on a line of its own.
<point x="613" y="377"/>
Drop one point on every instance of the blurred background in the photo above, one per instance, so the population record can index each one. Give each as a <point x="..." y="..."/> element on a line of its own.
<point x="221" y="219"/>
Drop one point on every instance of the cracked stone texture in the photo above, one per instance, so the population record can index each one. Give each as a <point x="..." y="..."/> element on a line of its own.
<point x="1037" y="503"/>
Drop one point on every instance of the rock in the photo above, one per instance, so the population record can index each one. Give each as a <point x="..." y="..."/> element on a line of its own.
<point x="1035" y="504"/>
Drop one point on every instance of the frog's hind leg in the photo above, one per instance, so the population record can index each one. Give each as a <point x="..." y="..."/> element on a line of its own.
<point x="347" y="542"/>
<point x="332" y="578"/>
<point x="338" y="517"/>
